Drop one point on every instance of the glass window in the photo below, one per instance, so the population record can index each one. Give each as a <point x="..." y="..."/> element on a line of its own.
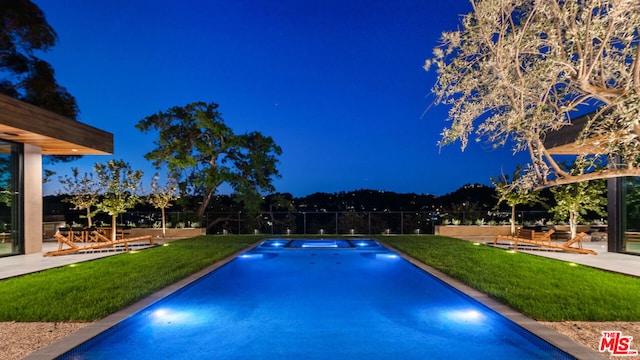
<point x="10" y="204"/>
<point x="631" y="215"/>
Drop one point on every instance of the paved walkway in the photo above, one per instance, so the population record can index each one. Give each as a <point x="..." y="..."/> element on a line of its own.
<point x="11" y="266"/>
<point x="615" y="262"/>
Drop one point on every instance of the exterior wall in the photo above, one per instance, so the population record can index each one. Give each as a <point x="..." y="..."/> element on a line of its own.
<point x="32" y="196"/>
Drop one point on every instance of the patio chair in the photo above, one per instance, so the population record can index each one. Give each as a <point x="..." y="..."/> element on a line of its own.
<point x="104" y="242"/>
<point x="530" y="237"/>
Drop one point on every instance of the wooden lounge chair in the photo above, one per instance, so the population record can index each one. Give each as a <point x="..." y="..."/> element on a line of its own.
<point x="526" y="236"/>
<point x="103" y="243"/>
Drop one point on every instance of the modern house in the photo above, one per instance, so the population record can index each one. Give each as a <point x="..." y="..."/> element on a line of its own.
<point x="623" y="194"/>
<point x="26" y="133"/>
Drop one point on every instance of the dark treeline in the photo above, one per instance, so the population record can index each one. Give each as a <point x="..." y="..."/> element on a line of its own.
<point x="480" y="197"/>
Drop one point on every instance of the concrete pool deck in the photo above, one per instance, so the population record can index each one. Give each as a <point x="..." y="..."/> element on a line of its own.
<point x="17" y="265"/>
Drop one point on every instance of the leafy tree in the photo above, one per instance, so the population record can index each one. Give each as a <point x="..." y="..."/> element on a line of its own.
<point x="517" y="70"/>
<point x="82" y="191"/>
<point x="576" y="199"/>
<point x="23" y="31"/>
<point x="204" y="153"/>
<point x="512" y="194"/>
<point x="162" y="196"/>
<point x="120" y="184"/>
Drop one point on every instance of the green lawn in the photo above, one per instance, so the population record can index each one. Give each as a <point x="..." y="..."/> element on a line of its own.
<point x="541" y="288"/>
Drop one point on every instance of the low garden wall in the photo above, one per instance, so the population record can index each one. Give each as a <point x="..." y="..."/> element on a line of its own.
<point x="173" y="233"/>
<point x="472" y="230"/>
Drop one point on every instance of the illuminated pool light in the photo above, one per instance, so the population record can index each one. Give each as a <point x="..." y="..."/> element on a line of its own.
<point x="365" y="243"/>
<point x="465" y="316"/>
<point x="251" y="256"/>
<point x="166" y="316"/>
<point x="387" y="256"/>
<point x="274" y="244"/>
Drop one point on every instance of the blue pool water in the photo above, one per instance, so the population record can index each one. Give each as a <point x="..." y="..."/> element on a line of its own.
<point x="323" y="299"/>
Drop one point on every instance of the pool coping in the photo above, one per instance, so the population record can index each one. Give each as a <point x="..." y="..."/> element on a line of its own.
<point x="79" y="337"/>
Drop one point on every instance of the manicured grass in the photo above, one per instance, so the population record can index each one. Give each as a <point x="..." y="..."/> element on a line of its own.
<point x="541" y="288"/>
<point x="94" y="289"/>
<point x="544" y="289"/>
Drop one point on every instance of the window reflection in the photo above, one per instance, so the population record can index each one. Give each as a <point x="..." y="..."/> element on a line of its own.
<point x="631" y="215"/>
<point x="9" y="203"/>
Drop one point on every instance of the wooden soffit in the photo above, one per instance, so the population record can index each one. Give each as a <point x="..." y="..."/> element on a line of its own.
<point x="54" y="134"/>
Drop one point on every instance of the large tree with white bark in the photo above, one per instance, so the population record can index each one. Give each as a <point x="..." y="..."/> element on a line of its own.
<point x="518" y="70"/>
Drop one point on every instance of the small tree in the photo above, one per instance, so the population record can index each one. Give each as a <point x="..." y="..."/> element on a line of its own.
<point x="577" y="199"/>
<point x="120" y="185"/>
<point x="161" y="197"/>
<point x="510" y="193"/>
<point x="83" y="191"/>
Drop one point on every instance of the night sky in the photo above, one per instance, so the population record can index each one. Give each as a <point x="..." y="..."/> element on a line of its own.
<point x="338" y="84"/>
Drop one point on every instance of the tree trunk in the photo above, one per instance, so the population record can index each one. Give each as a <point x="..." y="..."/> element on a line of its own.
<point x="164" y="228"/>
<point x="113" y="228"/>
<point x="89" y="217"/>
<point x="573" y="223"/>
<point x="206" y="200"/>
<point x="513" y="220"/>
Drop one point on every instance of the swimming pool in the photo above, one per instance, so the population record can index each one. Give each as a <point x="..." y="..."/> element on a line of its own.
<point x="317" y="299"/>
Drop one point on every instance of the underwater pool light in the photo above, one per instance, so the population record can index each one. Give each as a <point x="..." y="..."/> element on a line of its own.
<point x="465" y="315"/>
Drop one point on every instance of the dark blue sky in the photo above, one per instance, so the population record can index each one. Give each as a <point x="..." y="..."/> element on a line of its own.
<point x="338" y="84"/>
